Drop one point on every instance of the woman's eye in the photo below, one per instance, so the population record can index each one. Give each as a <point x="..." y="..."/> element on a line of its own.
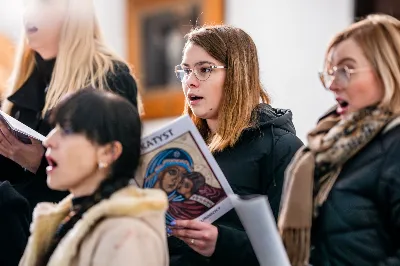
<point x="205" y="69"/>
<point x="66" y="131"/>
<point x="172" y="172"/>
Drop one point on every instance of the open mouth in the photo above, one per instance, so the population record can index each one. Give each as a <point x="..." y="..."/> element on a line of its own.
<point x="342" y="106"/>
<point x="343" y="103"/>
<point x="31" y="29"/>
<point x="52" y="164"/>
<point x="193" y="97"/>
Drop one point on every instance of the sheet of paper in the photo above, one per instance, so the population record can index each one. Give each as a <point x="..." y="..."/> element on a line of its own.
<point x="21" y="128"/>
<point x="260" y="226"/>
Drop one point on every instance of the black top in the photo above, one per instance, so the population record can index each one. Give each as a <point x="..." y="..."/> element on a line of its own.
<point x="359" y="223"/>
<point x="14" y="225"/>
<point x="255" y="165"/>
<point x="28" y="103"/>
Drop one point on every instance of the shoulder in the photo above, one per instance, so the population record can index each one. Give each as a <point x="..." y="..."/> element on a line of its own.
<point x="121" y="81"/>
<point x="288" y="139"/>
<point x="11" y="199"/>
<point x="125" y="237"/>
<point x="281" y="138"/>
<point x="391" y="149"/>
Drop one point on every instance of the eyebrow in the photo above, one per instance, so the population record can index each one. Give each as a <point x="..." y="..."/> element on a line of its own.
<point x="343" y="60"/>
<point x="199" y="63"/>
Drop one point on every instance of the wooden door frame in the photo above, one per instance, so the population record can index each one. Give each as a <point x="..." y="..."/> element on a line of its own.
<point x="163" y="102"/>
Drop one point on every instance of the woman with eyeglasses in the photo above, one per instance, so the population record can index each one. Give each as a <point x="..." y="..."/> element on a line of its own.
<point x="251" y="141"/>
<point x="341" y="204"/>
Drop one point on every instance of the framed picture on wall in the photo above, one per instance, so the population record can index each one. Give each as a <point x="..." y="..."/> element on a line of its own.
<point x="365" y="7"/>
<point x="156" y="30"/>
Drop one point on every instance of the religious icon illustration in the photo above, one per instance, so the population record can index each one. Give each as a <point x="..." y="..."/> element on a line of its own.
<point x="176" y="160"/>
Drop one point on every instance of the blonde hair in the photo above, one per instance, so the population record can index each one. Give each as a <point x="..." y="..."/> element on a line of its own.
<point x="83" y="59"/>
<point x="379" y="38"/>
<point x="242" y="88"/>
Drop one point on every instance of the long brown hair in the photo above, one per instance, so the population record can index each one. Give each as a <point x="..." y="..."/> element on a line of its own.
<point x="242" y="88"/>
<point x="379" y="38"/>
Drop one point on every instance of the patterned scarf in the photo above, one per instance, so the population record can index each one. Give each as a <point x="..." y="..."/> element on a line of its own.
<point x="314" y="170"/>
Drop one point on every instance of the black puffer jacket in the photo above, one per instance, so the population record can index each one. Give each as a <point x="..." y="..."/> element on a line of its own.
<point x="255" y="165"/>
<point x="359" y="224"/>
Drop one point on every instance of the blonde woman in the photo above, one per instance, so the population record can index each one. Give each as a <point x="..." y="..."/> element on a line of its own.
<point x="61" y="51"/>
<point x="343" y="188"/>
<point x="105" y="221"/>
<point x="251" y="141"/>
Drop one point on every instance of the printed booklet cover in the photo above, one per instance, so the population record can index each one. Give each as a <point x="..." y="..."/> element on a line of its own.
<point x="176" y="159"/>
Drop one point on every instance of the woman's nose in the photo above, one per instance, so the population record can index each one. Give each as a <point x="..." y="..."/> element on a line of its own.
<point x="192" y="81"/>
<point x="50" y="139"/>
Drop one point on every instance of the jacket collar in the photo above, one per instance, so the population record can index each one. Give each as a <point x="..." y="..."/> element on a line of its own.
<point x="130" y="201"/>
<point x="32" y="93"/>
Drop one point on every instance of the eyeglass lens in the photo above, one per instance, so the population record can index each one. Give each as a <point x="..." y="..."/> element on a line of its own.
<point x="339" y="76"/>
<point x="202" y="72"/>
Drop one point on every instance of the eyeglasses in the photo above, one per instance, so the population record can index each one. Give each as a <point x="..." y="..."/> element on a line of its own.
<point x="341" y="75"/>
<point x="201" y="71"/>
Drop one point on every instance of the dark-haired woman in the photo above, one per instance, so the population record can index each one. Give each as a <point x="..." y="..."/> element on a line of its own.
<point x="104" y="221"/>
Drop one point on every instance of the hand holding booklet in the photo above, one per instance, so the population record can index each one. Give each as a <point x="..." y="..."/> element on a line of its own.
<point x="176" y="159"/>
<point x="21" y="131"/>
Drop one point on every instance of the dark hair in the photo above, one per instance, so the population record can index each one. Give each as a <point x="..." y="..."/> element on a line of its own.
<point x="103" y="117"/>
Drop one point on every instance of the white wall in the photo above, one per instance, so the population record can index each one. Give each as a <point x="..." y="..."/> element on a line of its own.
<point x="291" y="37"/>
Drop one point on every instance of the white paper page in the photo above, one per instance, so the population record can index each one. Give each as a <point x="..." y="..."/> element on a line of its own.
<point x="260" y="226"/>
<point x="16" y="125"/>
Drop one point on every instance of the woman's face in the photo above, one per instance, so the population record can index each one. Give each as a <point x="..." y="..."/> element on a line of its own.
<point x="203" y="96"/>
<point x="43" y="20"/>
<point x="171" y="177"/>
<point x="362" y="88"/>
<point x="73" y="159"/>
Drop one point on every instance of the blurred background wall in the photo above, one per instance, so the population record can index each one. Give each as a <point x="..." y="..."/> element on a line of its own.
<point x="291" y="37"/>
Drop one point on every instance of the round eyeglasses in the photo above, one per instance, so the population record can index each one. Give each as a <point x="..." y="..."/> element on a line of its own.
<point x="341" y="75"/>
<point x="201" y="71"/>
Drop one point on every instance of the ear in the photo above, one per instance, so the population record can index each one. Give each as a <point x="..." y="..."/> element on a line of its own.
<point x="109" y="153"/>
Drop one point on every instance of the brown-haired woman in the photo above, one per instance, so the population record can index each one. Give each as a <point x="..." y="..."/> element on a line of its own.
<point x="251" y="141"/>
<point x="346" y="182"/>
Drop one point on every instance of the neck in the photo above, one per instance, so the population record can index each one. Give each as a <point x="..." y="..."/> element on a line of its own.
<point x="89" y="185"/>
<point x="47" y="54"/>
<point x="212" y="125"/>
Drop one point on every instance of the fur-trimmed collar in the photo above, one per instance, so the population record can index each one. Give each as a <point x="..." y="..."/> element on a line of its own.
<point x="130" y="201"/>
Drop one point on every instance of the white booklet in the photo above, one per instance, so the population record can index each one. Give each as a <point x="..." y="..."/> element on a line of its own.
<point x="176" y="159"/>
<point x="258" y="221"/>
<point x="20" y="130"/>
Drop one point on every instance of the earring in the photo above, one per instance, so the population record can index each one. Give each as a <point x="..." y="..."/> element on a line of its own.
<point x="102" y="165"/>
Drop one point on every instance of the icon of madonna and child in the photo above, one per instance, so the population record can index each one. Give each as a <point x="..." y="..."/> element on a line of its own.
<point x="189" y="193"/>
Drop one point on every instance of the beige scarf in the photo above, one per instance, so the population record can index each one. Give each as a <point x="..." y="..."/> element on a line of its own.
<point x="314" y="170"/>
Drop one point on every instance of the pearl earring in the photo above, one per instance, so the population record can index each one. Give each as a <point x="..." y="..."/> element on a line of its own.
<point x="102" y="165"/>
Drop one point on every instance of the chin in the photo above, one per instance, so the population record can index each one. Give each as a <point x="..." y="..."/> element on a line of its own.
<point x="202" y="115"/>
<point x="54" y="185"/>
